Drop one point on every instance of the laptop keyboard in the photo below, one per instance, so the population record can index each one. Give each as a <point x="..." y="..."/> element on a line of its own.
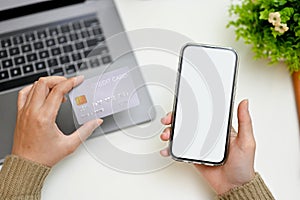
<point x="60" y="48"/>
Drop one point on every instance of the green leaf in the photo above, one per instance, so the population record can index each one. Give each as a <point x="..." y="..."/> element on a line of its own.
<point x="286" y="13"/>
<point x="297" y="17"/>
<point x="265" y="14"/>
<point x="250" y="21"/>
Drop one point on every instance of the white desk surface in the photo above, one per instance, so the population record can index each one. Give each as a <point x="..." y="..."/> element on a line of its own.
<point x="270" y="93"/>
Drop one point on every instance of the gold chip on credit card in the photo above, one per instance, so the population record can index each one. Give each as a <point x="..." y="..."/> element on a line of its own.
<point x="81" y="100"/>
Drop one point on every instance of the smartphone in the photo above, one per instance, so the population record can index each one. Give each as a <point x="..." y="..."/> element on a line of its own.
<point x="204" y="99"/>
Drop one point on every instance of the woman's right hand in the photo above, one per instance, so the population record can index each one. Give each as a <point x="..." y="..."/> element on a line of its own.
<point x="37" y="136"/>
<point x="239" y="166"/>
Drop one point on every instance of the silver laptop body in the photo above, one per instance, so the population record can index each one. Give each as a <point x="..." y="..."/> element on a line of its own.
<point x="106" y="12"/>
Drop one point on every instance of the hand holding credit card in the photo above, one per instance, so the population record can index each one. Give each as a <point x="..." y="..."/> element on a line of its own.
<point x="104" y="95"/>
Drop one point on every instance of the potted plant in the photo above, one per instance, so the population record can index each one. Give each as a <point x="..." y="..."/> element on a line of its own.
<point x="272" y="27"/>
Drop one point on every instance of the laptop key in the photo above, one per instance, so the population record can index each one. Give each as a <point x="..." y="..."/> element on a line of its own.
<point x="21" y="81"/>
<point x="50" y="42"/>
<point x="14" y="51"/>
<point x="99" y="50"/>
<point x="31" y="57"/>
<point x="55" y="51"/>
<point x="79" y="45"/>
<point x="28" y="68"/>
<point x="70" y="69"/>
<point x="15" y="72"/>
<point x="3" y="54"/>
<point x="44" y="54"/>
<point x="57" y="72"/>
<point x="4" y="75"/>
<point x="76" y="26"/>
<point x="106" y="59"/>
<point x="86" y="53"/>
<point x="76" y="56"/>
<point x="19" y="60"/>
<point x="6" y="43"/>
<point x="53" y="31"/>
<point x="38" y="45"/>
<point x="94" y="62"/>
<point x="91" y="22"/>
<point x="62" y="39"/>
<point x="73" y="37"/>
<point x="41" y="34"/>
<point x="52" y="62"/>
<point x="65" y="28"/>
<point x="67" y="48"/>
<point x="7" y="63"/>
<point x="18" y="39"/>
<point x="40" y="65"/>
<point x="26" y="48"/>
<point x="29" y="37"/>
<point x="82" y="66"/>
<point x="97" y="31"/>
<point x="92" y="42"/>
<point x="64" y="59"/>
<point x="85" y="34"/>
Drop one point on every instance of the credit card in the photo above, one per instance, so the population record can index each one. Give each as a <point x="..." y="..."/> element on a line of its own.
<point x="104" y="95"/>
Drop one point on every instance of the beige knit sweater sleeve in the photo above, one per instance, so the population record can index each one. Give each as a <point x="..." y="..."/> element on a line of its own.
<point x="255" y="189"/>
<point x="21" y="179"/>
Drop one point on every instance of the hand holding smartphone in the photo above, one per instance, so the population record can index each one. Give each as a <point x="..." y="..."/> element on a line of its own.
<point x="203" y="104"/>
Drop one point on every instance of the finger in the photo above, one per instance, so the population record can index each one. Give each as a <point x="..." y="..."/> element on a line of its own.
<point x="167" y="119"/>
<point x="83" y="132"/>
<point x="165" y="136"/>
<point x="56" y="95"/>
<point x="245" y="131"/>
<point x="64" y="99"/>
<point x="42" y="88"/>
<point x="203" y="169"/>
<point x="22" y="97"/>
<point x="165" y="152"/>
<point x="233" y="132"/>
<point x="29" y="96"/>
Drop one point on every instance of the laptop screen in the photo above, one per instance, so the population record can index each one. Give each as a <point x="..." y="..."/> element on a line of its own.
<point x="9" y="4"/>
<point x="17" y="8"/>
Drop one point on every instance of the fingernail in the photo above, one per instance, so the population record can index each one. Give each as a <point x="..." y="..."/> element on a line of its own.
<point x="79" y="79"/>
<point x="247" y="104"/>
<point x="99" y="121"/>
<point x="167" y="131"/>
<point x="164" y="135"/>
<point x="164" y="152"/>
<point x="165" y="117"/>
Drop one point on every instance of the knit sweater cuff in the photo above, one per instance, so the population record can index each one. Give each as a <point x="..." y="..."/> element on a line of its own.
<point x="22" y="178"/>
<point x="255" y="189"/>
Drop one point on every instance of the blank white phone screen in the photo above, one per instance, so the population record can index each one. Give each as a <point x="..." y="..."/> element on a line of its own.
<point x="204" y="98"/>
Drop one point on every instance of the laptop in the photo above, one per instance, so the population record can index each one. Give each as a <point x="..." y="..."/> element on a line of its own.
<point x="45" y="38"/>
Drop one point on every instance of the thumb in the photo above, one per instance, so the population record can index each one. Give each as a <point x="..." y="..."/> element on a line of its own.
<point x="84" y="132"/>
<point x="245" y="131"/>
